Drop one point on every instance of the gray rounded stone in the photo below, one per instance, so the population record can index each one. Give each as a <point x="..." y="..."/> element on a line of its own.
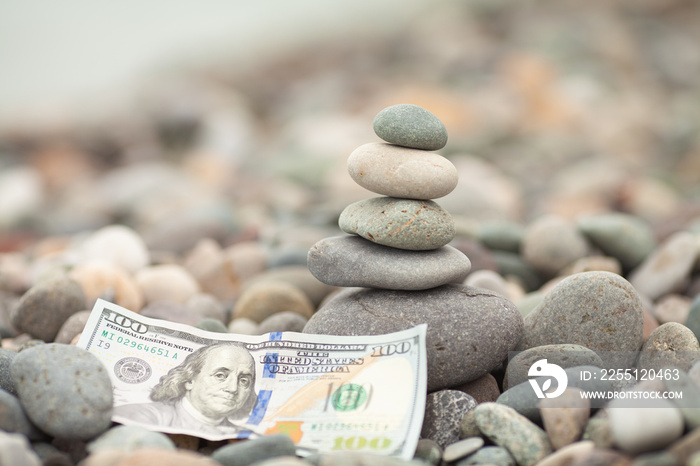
<point x="399" y="223"/>
<point x="444" y="410"/>
<point x="470" y="330"/>
<point x="65" y="390"/>
<point x="550" y="243"/>
<point x="285" y="321"/>
<point x="491" y="455"/>
<point x="667" y="268"/>
<point x="564" y="355"/>
<point x="400" y="172"/>
<point x="352" y="261"/>
<point x="501" y="235"/>
<point x="251" y="451"/>
<point x="410" y="126"/>
<point x="13" y="418"/>
<point x="598" y="310"/>
<point x="459" y="450"/>
<point x="15" y="450"/>
<point x="44" y="308"/>
<point x="211" y="324"/>
<point x="129" y="438"/>
<point x="693" y="319"/>
<point x="623" y="236"/>
<point x="428" y="451"/>
<point x="669" y="345"/>
<point x="72" y="327"/>
<point x="525" y="441"/>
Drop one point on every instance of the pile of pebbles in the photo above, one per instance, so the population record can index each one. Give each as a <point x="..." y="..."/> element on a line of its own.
<point x="565" y="290"/>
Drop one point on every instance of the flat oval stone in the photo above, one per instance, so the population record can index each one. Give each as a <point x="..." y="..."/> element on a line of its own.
<point x="410" y="126"/>
<point x="399" y="223"/>
<point x="400" y="172"/>
<point x="623" y="236"/>
<point x="353" y="261"/>
<point x="65" y="390"/>
<point x="458" y="450"/>
<point x="470" y="331"/>
<point x="598" y="310"/>
<point x="667" y="268"/>
<point x="444" y="410"/>
<point x="564" y="355"/>
<point x="44" y="308"/>
<point x="505" y="427"/>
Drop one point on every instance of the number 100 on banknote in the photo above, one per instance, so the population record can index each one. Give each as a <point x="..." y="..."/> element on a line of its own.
<point x="327" y="393"/>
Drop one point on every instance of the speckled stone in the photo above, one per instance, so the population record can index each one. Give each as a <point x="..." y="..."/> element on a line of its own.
<point x="598" y="310"/>
<point x="491" y="455"/>
<point x="564" y="355"/>
<point x="285" y="321"/>
<point x="351" y="261"/>
<point x="262" y="299"/>
<point x="526" y="442"/>
<point x="401" y="172"/>
<point x="400" y="223"/>
<point x="65" y="390"/>
<point x="550" y="243"/>
<point x="667" y="268"/>
<point x="6" y="382"/>
<point x="626" y="237"/>
<point x="129" y="438"/>
<point x="410" y="126"/>
<point x="477" y="327"/>
<point x="444" y="410"/>
<point x="251" y="451"/>
<point x="669" y="345"/>
<point x="46" y="306"/>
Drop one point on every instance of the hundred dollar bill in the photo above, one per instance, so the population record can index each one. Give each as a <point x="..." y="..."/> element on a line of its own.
<point x="328" y="393"/>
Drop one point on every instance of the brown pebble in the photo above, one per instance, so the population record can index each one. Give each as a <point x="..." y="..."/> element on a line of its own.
<point x="565" y="417"/>
<point x="483" y="389"/>
<point x="263" y="299"/>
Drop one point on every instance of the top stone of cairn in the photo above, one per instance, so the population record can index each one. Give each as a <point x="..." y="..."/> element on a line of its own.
<point x="410" y="126"/>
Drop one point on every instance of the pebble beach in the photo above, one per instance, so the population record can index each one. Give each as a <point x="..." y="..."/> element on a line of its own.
<point x="522" y="178"/>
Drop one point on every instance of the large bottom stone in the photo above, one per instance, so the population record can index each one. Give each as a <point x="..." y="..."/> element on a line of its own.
<point x="470" y="330"/>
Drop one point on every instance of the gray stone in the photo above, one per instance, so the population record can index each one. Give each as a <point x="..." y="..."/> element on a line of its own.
<point x="526" y="442"/>
<point x="690" y="402"/>
<point x="483" y="389"/>
<point x="669" y="345"/>
<point x="13" y="418"/>
<point x="428" y="451"/>
<point x="501" y="235"/>
<point x="489" y="280"/>
<point x="642" y="426"/>
<point x="65" y="390"/>
<point x="598" y="431"/>
<point x="693" y="320"/>
<point x="6" y="382"/>
<point x="44" y="308"/>
<point x="444" y="410"/>
<point x="261" y="299"/>
<point x="550" y="243"/>
<point x="410" y="126"/>
<point x="598" y="310"/>
<point x="491" y="455"/>
<point x="129" y="438"/>
<point x="623" y="236"/>
<point x="353" y="261"/>
<point x="400" y="172"/>
<point x="510" y="263"/>
<point x="72" y="327"/>
<point x="672" y="308"/>
<point x="459" y="450"/>
<point x="564" y="355"/>
<point x="285" y="321"/>
<point x="15" y="450"/>
<point x="212" y="325"/>
<point x="657" y="458"/>
<point x="524" y="400"/>
<point x="667" y="268"/>
<point x="400" y="223"/>
<point x="470" y="331"/>
<point x="251" y="451"/>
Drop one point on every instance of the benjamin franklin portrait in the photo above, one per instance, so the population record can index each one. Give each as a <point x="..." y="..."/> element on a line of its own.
<point x="211" y="392"/>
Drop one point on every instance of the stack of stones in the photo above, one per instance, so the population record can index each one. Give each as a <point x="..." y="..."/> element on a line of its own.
<point x="396" y="262"/>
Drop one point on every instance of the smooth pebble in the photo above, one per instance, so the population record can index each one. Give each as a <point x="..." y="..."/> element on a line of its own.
<point x="628" y="238"/>
<point x="285" y="321"/>
<point x="410" y="126"/>
<point x="551" y="243"/>
<point x="166" y="283"/>
<point x="462" y="448"/>
<point x="565" y="417"/>
<point x="118" y="245"/>
<point x="262" y="299"/>
<point x="669" y="345"/>
<point x="646" y="425"/>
